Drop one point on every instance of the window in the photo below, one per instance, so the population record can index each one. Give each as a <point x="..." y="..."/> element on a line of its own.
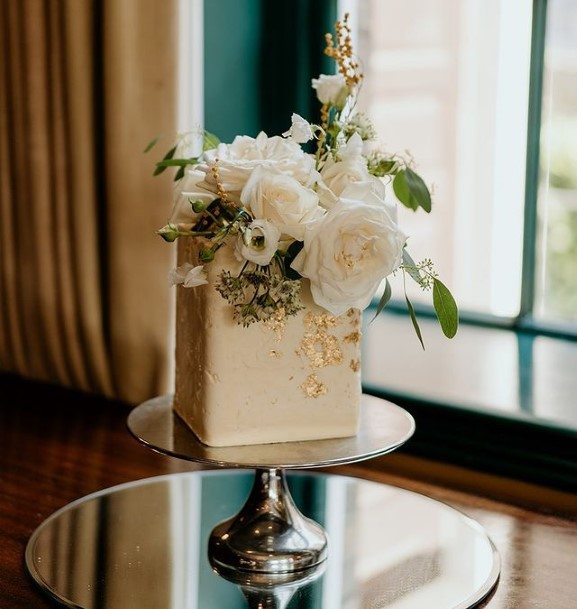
<point x="484" y="94"/>
<point x="449" y="81"/>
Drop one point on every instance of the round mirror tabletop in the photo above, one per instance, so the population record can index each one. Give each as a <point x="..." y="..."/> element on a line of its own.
<point x="143" y="545"/>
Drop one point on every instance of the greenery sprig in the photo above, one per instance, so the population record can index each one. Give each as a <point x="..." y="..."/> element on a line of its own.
<point x="257" y="294"/>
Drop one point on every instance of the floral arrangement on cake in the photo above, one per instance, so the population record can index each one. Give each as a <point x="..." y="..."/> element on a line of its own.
<point x="313" y="204"/>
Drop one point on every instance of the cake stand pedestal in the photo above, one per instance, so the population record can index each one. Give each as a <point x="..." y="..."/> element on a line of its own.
<point x="143" y="545"/>
<point x="269" y="534"/>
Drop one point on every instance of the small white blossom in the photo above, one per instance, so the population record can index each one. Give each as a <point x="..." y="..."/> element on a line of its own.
<point x="301" y="130"/>
<point x="188" y="275"/>
<point x="361" y="124"/>
<point x="258" y="243"/>
<point x="331" y="90"/>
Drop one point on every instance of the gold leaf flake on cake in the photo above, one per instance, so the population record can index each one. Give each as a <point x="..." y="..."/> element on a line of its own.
<point x="353" y="338"/>
<point x="277" y="323"/>
<point x="322" y="320"/>
<point x="355" y="365"/>
<point x="313" y="387"/>
<point x="321" y="349"/>
<point x="275" y="354"/>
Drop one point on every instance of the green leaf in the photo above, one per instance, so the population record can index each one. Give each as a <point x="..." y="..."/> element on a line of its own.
<point x="415" y="322"/>
<point x="445" y="308"/>
<point x="179" y="174"/>
<point x="410" y="266"/>
<point x="162" y="165"/>
<point x="411" y="191"/>
<point x="384" y="299"/>
<point x="151" y="144"/>
<point x="169" y="154"/>
<point x="209" y="141"/>
<point x="383" y="167"/>
<point x="294" y="248"/>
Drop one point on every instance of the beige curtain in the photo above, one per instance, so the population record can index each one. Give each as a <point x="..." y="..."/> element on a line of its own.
<point x="84" y="85"/>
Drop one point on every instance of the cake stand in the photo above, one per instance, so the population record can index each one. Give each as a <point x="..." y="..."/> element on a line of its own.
<point x="157" y="543"/>
<point x="269" y="534"/>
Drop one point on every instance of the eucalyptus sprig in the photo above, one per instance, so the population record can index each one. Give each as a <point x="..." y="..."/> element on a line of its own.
<point x="444" y="304"/>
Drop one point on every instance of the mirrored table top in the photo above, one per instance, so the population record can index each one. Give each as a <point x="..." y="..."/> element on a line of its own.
<point x="143" y="545"/>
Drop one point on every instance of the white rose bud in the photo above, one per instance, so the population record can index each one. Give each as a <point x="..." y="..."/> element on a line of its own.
<point x="258" y="243"/>
<point x="301" y="130"/>
<point x="338" y="175"/>
<point x="188" y="275"/>
<point x="331" y="90"/>
<point x="347" y="254"/>
<point x="186" y="190"/>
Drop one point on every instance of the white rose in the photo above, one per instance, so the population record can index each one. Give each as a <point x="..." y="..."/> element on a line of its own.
<point x="189" y="275"/>
<point x="301" y="130"/>
<point x="186" y="190"/>
<point x="347" y="254"/>
<point x="282" y="200"/>
<point x="351" y="166"/>
<point x="258" y="243"/>
<point x="331" y="90"/>
<point x="371" y="192"/>
<point x="237" y="161"/>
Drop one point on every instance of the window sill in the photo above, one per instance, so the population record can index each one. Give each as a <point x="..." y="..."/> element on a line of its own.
<point x="492" y="399"/>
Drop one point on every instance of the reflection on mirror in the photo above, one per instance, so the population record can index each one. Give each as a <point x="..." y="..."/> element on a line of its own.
<point x="144" y="545"/>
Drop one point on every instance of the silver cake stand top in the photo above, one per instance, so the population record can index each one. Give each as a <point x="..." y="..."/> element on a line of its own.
<point x="383" y="428"/>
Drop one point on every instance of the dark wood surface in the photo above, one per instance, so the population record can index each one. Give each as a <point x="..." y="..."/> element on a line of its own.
<point x="56" y="447"/>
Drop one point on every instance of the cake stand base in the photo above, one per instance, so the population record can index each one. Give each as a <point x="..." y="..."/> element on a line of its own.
<point x="143" y="545"/>
<point x="269" y="535"/>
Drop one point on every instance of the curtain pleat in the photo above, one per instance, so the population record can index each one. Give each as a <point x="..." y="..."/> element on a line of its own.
<point x="83" y="297"/>
<point x="140" y="102"/>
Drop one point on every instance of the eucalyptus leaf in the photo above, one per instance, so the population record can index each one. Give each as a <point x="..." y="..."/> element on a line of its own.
<point x="445" y="308"/>
<point x="411" y="191"/>
<point x="410" y="266"/>
<point x="419" y="189"/>
<point x="151" y="144"/>
<point x="292" y="252"/>
<point x="209" y="141"/>
<point x="384" y="300"/>
<point x="415" y="322"/>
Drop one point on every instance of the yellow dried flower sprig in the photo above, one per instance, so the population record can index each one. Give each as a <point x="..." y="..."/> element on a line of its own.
<point x="342" y="52"/>
<point x="222" y="194"/>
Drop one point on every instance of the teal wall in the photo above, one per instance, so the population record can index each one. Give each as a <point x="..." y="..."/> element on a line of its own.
<point x="232" y="67"/>
<point x="260" y="56"/>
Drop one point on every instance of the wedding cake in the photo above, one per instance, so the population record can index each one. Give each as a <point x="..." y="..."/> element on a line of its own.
<point x="283" y="241"/>
<point x="289" y="378"/>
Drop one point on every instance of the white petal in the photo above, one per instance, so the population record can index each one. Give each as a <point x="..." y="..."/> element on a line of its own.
<point x="196" y="276"/>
